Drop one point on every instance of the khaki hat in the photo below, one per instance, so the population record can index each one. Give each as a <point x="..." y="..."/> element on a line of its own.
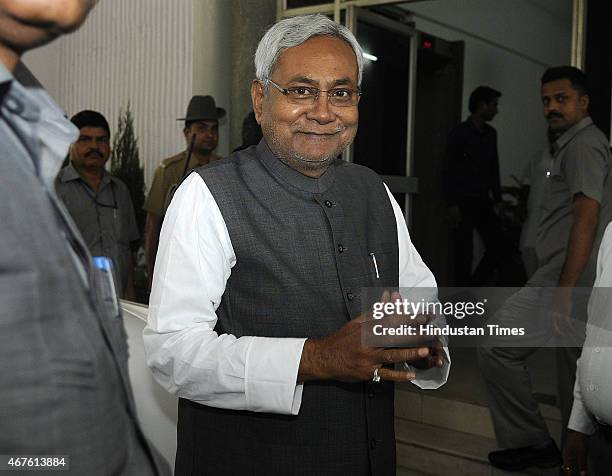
<point x="202" y="107"/>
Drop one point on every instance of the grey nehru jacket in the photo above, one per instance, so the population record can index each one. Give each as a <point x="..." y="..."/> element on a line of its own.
<point x="579" y="163"/>
<point x="105" y="218"/>
<point x="303" y="255"/>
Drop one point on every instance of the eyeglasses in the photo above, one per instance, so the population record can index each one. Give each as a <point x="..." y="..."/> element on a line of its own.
<point x="306" y="95"/>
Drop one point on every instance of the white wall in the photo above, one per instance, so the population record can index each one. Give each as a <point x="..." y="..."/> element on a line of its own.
<point x="153" y="53"/>
<point x="507" y="47"/>
<point x="137" y="51"/>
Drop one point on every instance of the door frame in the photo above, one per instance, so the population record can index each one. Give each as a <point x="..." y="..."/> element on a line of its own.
<point x="579" y="18"/>
<point x="351" y="10"/>
<point x="405" y="184"/>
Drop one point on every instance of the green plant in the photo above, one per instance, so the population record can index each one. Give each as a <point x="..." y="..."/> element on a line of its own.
<point x="125" y="162"/>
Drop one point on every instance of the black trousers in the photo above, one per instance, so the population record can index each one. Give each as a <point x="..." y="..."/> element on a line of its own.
<point x="477" y="214"/>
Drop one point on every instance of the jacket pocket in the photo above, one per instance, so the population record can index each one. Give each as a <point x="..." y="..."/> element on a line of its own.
<point x="379" y="259"/>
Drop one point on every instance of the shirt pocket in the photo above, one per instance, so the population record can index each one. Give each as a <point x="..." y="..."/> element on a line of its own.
<point x="559" y="194"/>
<point x="121" y="226"/>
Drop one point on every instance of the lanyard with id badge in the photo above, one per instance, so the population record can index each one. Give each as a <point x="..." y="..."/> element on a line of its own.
<point x="106" y="297"/>
<point x="105" y="284"/>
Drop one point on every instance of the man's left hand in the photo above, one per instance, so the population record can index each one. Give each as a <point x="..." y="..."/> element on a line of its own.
<point x="436" y="357"/>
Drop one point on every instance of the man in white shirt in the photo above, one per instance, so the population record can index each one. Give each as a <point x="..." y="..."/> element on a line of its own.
<point x="591" y="418"/>
<point x="256" y="307"/>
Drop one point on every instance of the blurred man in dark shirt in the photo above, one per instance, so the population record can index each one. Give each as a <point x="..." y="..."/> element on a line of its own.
<point x="472" y="187"/>
<point x="100" y="203"/>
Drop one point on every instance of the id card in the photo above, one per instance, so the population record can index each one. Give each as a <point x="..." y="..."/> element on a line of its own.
<point x="109" y="294"/>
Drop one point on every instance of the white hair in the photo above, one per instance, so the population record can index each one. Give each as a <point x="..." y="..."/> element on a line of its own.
<point x="294" y="31"/>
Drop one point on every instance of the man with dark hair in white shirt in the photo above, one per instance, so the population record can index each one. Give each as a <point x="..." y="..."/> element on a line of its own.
<point x="255" y="311"/>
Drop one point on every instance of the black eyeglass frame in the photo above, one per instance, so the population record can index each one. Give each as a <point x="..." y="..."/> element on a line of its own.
<point x="316" y="93"/>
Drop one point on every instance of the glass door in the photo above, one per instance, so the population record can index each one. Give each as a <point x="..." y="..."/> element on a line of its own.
<point x="386" y="110"/>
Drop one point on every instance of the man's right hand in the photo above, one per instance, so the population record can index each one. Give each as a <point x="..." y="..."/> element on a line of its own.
<point x="341" y="356"/>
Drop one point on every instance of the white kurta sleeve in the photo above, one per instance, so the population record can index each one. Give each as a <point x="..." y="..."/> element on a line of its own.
<point x="414" y="273"/>
<point x="186" y="356"/>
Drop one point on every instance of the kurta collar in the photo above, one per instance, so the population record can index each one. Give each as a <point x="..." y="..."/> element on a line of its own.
<point x="69" y="173"/>
<point x="568" y="135"/>
<point x="291" y="176"/>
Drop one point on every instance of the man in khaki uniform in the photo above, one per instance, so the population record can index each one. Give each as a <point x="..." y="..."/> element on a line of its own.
<point x="201" y="126"/>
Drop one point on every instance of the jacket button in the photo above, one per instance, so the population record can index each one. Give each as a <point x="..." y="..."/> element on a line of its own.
<point x="371" y="393"/>
<point x="341" y="248"/>
<point x="350" y="296"/>
<point x="328" y="204"/>
<point x="373" y="443"/>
